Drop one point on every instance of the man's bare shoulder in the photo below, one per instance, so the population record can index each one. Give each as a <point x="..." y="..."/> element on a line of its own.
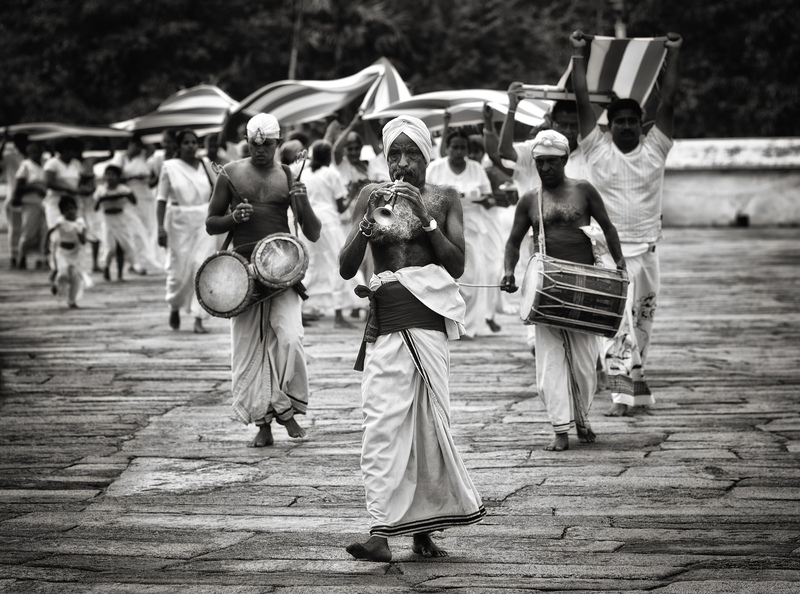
<point x="445" y="197"/>
<point x="528" y="197"/>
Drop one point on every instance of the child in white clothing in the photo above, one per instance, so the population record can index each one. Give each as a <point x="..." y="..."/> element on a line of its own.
<point x="69" y="235"/>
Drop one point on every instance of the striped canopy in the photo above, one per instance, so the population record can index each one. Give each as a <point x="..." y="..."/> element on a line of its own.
<point x="295" y="102"/>
<point x="465" y="107"/>
<point x="626" y="67"/>
<point x="37" y="131"/>
<point x="201" y="108"/>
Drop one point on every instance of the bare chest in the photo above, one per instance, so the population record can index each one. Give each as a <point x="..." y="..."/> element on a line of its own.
<point x="264" y="188"/>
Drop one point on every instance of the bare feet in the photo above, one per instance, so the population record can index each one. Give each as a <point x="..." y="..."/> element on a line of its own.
<point x="293" y="429"/>
<point x="343" y="324"/>
<point x="493" y="326"/>
<point x="375" y="549"/>
<point x="602" y="380"/>
<point x="617" y="410"/>
<point x="559" y="444"/>
<point x="198" y="327"/>
<point x="263" y="437"/>
<point x="423" y="545"/>
<point x="586" y="435"/>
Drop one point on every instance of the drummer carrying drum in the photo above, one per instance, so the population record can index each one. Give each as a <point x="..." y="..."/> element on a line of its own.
<point x="566" y="360"/>
<point x="251" y="200"/>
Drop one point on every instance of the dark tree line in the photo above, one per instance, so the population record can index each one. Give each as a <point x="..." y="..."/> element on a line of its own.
<point x="95" y="62"/>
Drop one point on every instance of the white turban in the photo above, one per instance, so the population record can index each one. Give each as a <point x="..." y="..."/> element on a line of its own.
<point x="550" y="142"/>
<point x="263" y="126"/>
<point x="412" y="127"/>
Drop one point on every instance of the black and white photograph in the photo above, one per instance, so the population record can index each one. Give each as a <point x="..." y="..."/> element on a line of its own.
<point x="356" y="297"/>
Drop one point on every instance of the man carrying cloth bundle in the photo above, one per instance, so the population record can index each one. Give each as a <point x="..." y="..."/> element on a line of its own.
<point x="268" y="362"/>
<point x="566" y="360"/>
<point x="414" y="478"/>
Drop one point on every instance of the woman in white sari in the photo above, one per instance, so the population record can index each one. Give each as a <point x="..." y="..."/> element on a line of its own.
<point x="184" y="188"/>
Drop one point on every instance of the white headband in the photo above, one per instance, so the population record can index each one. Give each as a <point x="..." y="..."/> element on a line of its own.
<point x="550" y="142"/>
<point x="262" y="126"/>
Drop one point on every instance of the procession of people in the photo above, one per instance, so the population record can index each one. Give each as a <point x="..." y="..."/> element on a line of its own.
<point x="415" y="250"/>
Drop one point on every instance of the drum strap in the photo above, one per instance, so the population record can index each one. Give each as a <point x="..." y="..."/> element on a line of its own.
<point x="542" y="248"/>
<point x="292" y="202"/>
<point x="292" y="205"/>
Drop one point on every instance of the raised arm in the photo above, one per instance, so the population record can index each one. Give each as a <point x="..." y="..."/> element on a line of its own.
<point x="491" y="142"/>
<point x="446" y="118"/>
<point x="219" y="220"/>
<point x="587" y="119"/>
<point x="507" y="150"/>
<point x="341" y="139"/>
<point x="522" y="222"/>
<point x="309" y="222"/>
<point x="666" y="108"/>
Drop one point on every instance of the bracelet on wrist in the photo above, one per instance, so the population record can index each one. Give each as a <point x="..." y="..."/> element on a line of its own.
<point x="577" y="57"/>
<point x="366" y="227"/>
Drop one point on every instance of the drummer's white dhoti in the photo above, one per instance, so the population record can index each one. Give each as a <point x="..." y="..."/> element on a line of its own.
<point x="268" y="362"/>
<point x="566" y="375"/>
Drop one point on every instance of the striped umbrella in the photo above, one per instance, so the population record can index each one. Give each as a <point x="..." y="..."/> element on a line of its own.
<point x="295" y="102"/>
<point x="203" y="107"/>
<point x="465" y="107"/>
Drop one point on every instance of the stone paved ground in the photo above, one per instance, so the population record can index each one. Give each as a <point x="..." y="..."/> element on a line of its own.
<point x="121" y="471"/>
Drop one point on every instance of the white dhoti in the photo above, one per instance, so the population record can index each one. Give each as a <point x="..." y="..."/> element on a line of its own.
<point x="566" y="375"/>
<point x="480" y="263"/>
<point x="125" y="230"/>
<point x="414" y="478"/>
<point x="327" y="290"/>
<point x="188" y="245"/>
<point x="268" y="362"/>
<point x="626" y="354"/>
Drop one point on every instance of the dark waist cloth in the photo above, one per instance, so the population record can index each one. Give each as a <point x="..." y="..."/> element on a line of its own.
<point x="266" y="220"/>
<point x="392" y="308"/>
<point x="113" y="210"/>
<point x="568" y="243"/>
<point x="67" y="245"/>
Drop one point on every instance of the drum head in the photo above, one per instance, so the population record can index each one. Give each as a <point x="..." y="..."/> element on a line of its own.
<point x="531" y="285"/>
<point x="280" y="260"/>
<point x="223" y="284"/>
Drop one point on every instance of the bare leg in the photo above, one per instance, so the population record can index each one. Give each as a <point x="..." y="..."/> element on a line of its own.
<point x="586" y="435"/>
<point x="375" y="549"/>
<point x="263" y="437"/>
<point x="340" y="322"/>
<point x="175" y="319"/>
<point x="198" y="327"/>
<point x="617" y="410"/>
<point x="293" y="429"/>
<point x="559" y="444"/>
<point x="423" y="545"/>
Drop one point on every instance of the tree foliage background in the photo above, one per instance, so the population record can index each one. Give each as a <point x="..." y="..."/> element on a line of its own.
<point x="98" y="61"/>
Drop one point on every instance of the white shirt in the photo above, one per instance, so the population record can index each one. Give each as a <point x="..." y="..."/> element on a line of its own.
<point x="630" y="183"/>
<point x="472" y="183"/>
<point x="324" y="186"/>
